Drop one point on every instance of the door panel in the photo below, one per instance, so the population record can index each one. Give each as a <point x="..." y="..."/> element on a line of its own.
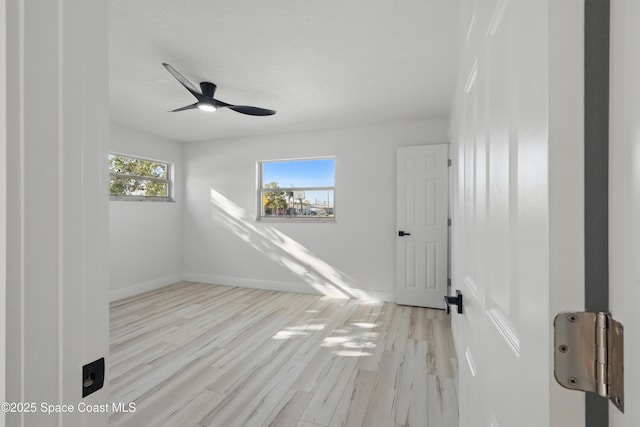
<point x="502" y="213"/>
<point x="422" y="211"/>
<point x="624" y="196"/>
<point x="57" y="181"/>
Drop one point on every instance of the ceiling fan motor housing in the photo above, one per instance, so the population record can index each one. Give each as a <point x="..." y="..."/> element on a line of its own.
<point x="208" y="89"/>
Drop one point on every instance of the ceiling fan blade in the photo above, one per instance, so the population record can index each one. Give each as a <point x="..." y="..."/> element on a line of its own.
<point x="252" y="111"/>
<point x="186" y="83"/>
<point x="188" y="107"/>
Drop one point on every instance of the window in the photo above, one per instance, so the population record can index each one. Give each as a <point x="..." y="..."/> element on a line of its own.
<point x="303" y="189"/>
<point x="133" y="178"/>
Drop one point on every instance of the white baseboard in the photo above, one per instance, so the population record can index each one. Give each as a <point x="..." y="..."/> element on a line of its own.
<point x="129" y="291"/>
<point x="382" y="296"/>
<point x="242" y="282"/>
<point x="303" y="288"/>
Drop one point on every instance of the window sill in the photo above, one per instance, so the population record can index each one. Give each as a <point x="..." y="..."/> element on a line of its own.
<point x="297" y="220"/>
<point x="141" y="199"/>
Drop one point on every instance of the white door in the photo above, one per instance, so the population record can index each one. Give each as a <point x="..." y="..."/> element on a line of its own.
<point x="624" y="197"/>
<point x="57" y="119"/>
<point x="422" y="215"/>
<point x="517" y="208"/>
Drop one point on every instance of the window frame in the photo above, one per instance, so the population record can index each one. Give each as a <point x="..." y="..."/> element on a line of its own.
<point x="293" y="218"/>
<point x="137" y="198"/>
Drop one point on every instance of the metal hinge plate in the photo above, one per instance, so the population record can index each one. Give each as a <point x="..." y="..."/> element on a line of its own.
<point x="588" y="354"/>
<point x="449" y="162"/>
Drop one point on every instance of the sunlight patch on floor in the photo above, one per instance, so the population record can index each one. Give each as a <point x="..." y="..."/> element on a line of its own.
<point x="283" y="335"/>
<point x="365" y="325"/>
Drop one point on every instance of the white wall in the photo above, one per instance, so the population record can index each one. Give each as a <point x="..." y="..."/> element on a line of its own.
<point x="145" y="238"/>
<point x="355" y="256"/>
<point x="624" y="197"/>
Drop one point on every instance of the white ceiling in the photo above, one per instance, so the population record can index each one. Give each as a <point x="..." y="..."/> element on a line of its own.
<point x="320" y="64"/>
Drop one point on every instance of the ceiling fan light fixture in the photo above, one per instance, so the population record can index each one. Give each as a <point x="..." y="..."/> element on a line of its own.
<point x="206" y="101"/>
<point x="206" y="107"/>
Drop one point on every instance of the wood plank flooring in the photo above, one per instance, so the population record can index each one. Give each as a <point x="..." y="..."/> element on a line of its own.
<point x="193" y="354"/>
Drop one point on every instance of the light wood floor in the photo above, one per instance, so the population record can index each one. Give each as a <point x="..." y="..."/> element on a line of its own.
<point x="202" y="355"/>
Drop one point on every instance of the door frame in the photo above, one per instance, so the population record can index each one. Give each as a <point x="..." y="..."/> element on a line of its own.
<point x="596" y="177"/>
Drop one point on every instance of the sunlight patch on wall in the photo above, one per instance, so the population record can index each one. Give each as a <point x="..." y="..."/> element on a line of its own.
<point x="285" y="251"/>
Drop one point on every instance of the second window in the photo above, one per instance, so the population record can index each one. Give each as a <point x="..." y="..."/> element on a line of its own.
<point x="298" y="188"/>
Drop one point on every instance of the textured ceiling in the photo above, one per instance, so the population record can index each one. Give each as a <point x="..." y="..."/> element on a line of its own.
<point x="319" y="64"/>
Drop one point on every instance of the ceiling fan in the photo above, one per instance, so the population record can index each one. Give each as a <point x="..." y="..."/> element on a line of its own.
<point x="206" y="101"/>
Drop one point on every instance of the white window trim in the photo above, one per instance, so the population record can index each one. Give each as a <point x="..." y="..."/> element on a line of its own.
<point x="131" y="198"/>
<point x="292" y="218"/>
